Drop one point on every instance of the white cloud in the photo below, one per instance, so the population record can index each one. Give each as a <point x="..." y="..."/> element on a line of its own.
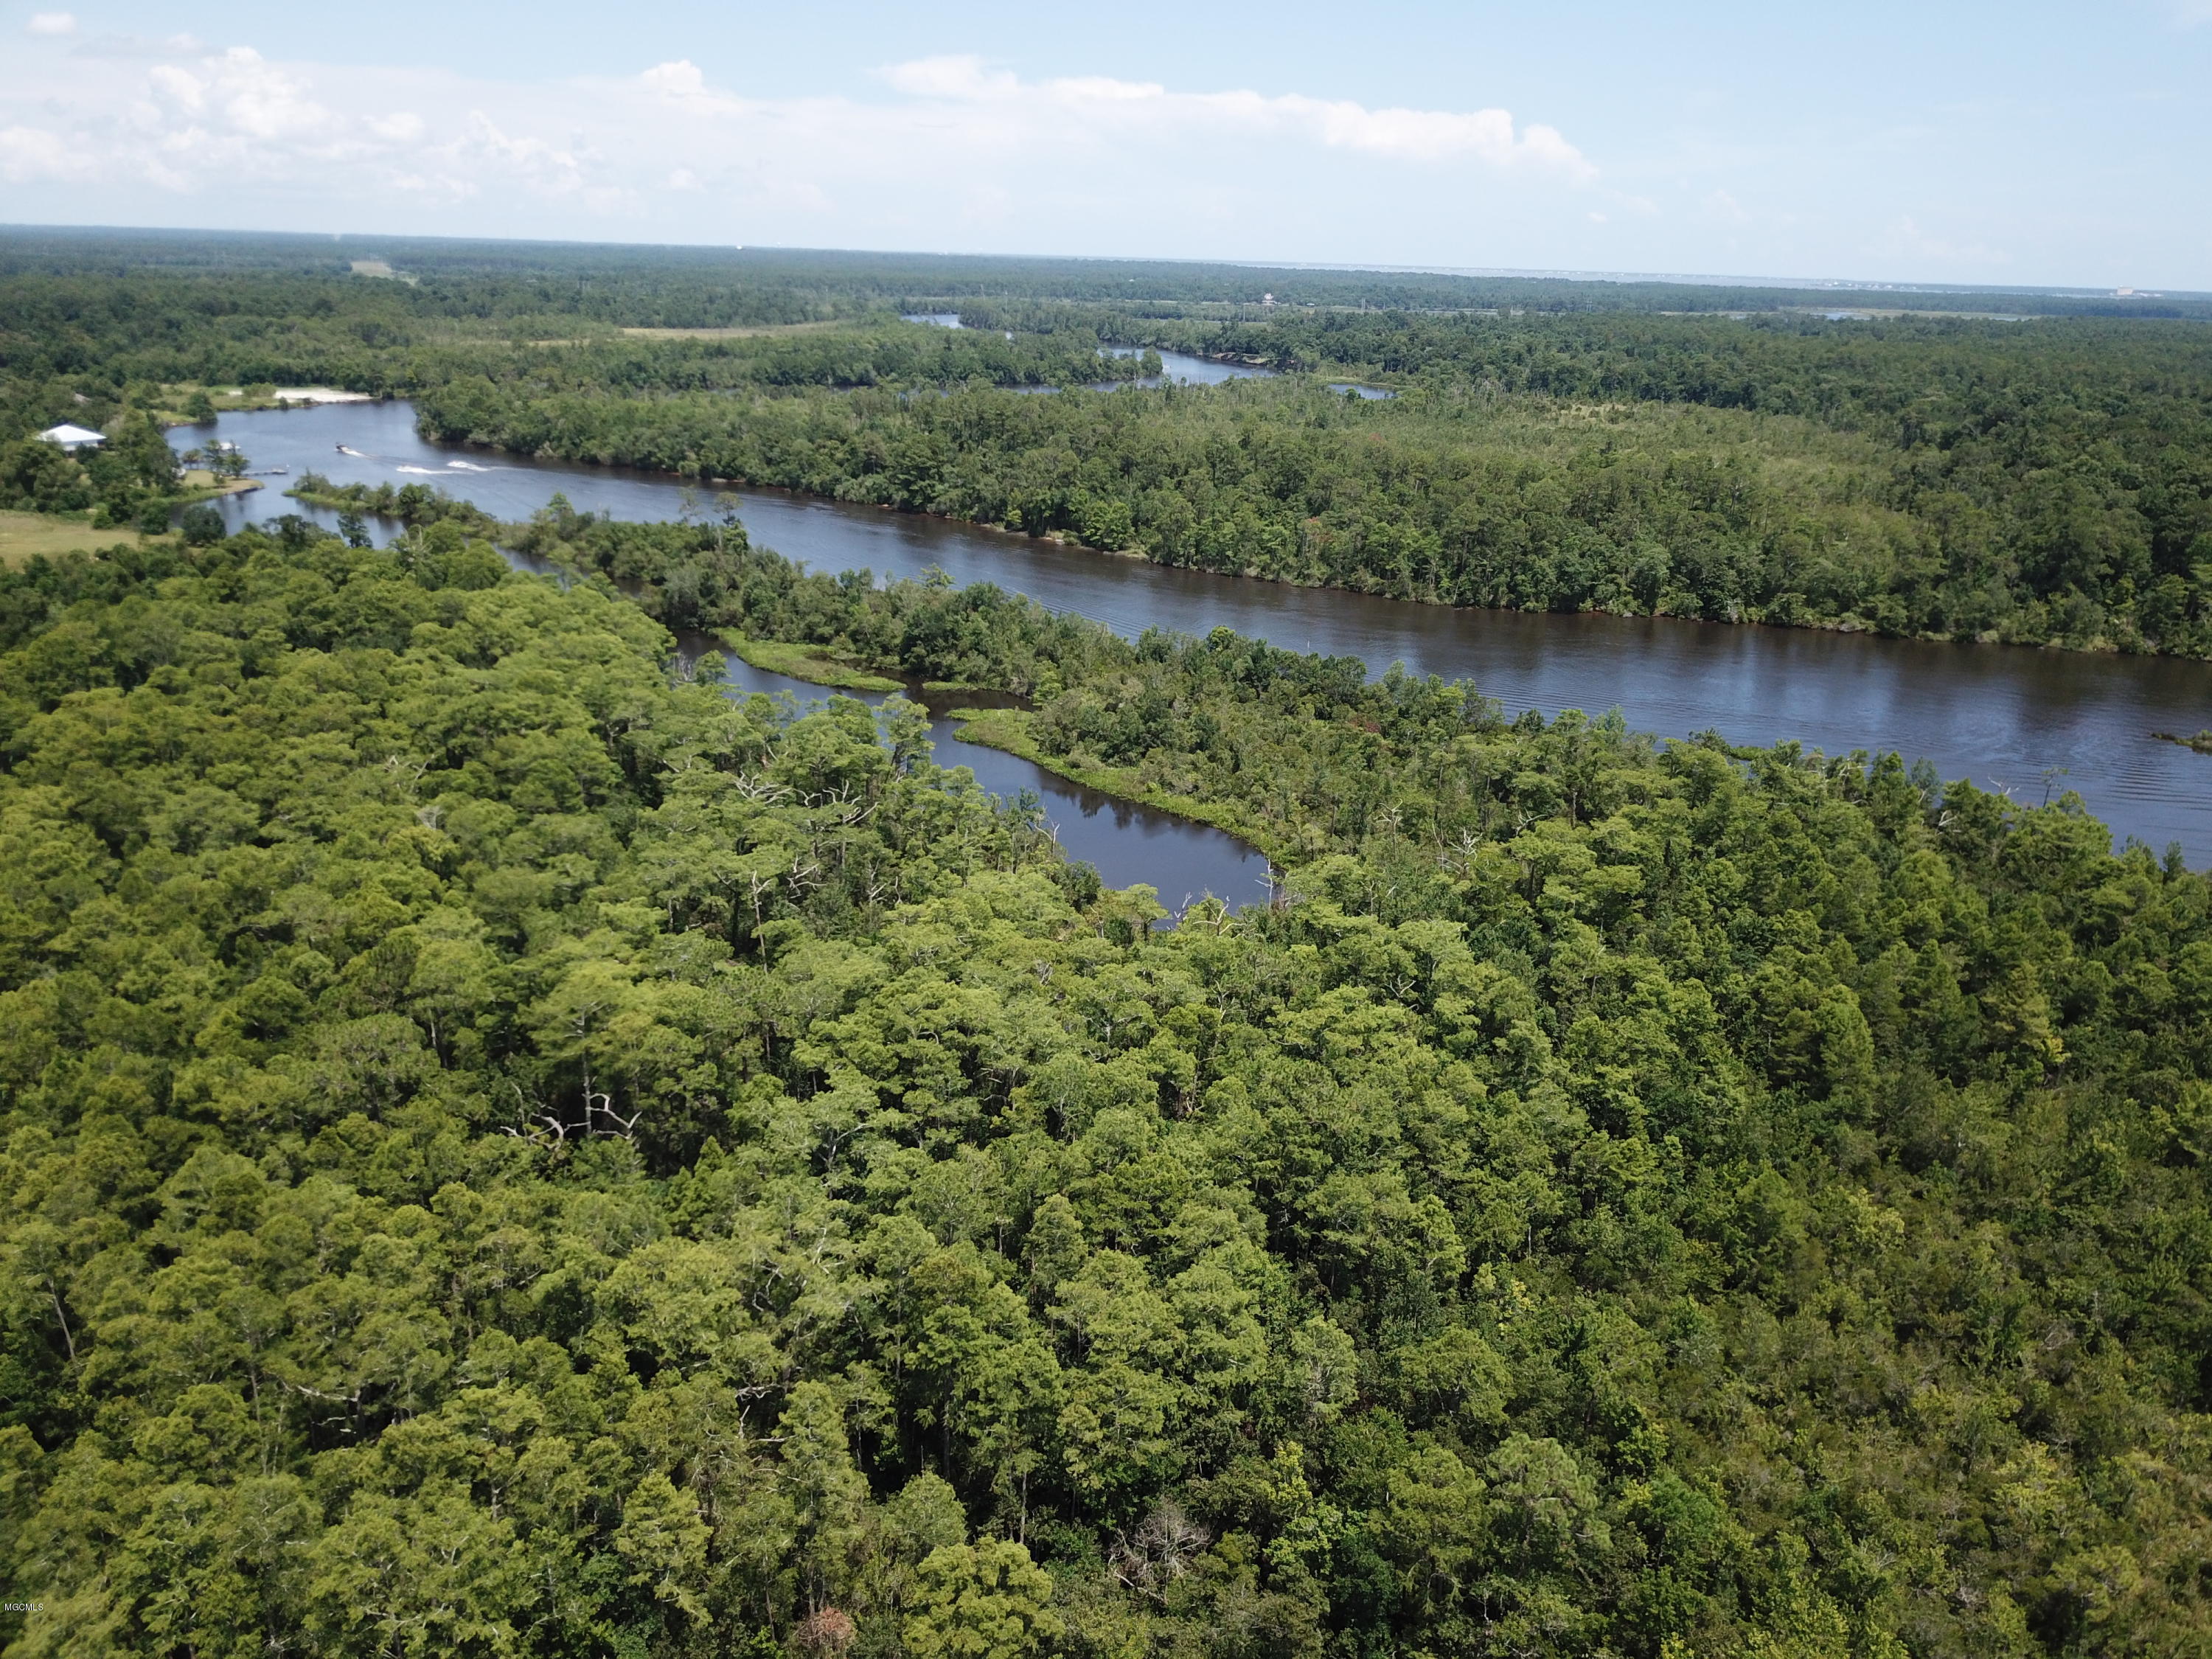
<point x="683" y="83"/>
<point x="185" y="88"/>
<point x="29" y="153"/>
<point x="1125" y="106"/>
<point x="264" y="102"/>
<point x="53" y="23"/>
<point x="947" y="140"/>
<point x="247" y="99"/>
<point x="958" y="75"/>
<point x="681" y="79"/>
<point x="545" y="166"/>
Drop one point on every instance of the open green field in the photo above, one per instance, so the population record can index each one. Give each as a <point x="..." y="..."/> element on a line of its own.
<point x="25" y="535"/>
<point x="758" y="332"/>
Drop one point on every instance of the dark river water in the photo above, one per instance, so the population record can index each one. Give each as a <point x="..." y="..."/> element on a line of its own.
<point x="2009" y="717"/>
<point x="1187" y="370"/>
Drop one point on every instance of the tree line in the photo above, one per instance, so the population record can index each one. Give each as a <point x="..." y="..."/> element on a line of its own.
<point x="685" y="286"/>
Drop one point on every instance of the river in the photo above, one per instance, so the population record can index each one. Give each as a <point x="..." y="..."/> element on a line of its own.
<point x="2026" y="720"/>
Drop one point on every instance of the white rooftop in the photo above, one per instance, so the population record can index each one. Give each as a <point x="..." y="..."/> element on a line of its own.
<point x="73" y="437"/>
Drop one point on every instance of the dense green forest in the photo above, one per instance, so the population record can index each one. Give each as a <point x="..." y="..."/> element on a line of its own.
<point x="2044" y="480"/>
<point x="63" y="341"/>
<point x="1455" y="495"/>
<point x="510" y="1150"/>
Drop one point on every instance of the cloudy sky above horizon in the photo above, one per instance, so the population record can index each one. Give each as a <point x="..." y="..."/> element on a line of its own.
<point x="2033" y="144"/>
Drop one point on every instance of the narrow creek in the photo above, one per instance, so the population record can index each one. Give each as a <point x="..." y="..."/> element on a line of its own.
<point x="1125" y="841"/>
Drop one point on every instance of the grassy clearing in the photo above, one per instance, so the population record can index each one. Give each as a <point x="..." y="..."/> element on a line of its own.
<point x="805" y="662"/>
<point x="756" y="332"/>
<point x="24" y="536"/>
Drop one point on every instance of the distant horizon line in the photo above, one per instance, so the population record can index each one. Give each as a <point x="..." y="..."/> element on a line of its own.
<point x="1700" y="279"/>
<point x="1708" y="279"/>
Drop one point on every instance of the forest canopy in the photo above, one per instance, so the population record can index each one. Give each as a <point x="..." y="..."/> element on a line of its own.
<point x="511" y="1150"/>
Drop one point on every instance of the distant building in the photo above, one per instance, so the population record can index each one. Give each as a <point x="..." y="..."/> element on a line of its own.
<point x="321" y="394"/>
<point x="74" y="437"/>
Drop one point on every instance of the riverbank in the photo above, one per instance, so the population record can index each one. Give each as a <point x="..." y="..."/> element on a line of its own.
<point x="1012" y="731"/>
<point x="171" y="412"/>
<point x="202" y="485"/>
<point x="1748" y="617"/>
<point x="1782" y="618"/>
<point x="2033" y="625"/>
<point x="1557" y="503"/>
<point x="1008" y="730"/>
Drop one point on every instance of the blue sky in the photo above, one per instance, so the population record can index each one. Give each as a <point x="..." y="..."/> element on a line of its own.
<point x="2027" y="144"/>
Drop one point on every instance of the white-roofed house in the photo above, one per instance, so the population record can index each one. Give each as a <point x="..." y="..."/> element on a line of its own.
<point x="74" y="437"/>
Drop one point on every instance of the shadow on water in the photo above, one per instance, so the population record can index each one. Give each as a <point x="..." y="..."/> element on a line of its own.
<point x="2024" y="721"/>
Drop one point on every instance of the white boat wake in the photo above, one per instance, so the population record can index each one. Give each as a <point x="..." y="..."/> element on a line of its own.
<point x="427" y="471"/>
<point x="471" y="466"/>
<point x="355" y="453"/>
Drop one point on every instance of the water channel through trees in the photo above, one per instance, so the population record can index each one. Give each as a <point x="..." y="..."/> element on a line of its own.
<point x="2033" y="722"/>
